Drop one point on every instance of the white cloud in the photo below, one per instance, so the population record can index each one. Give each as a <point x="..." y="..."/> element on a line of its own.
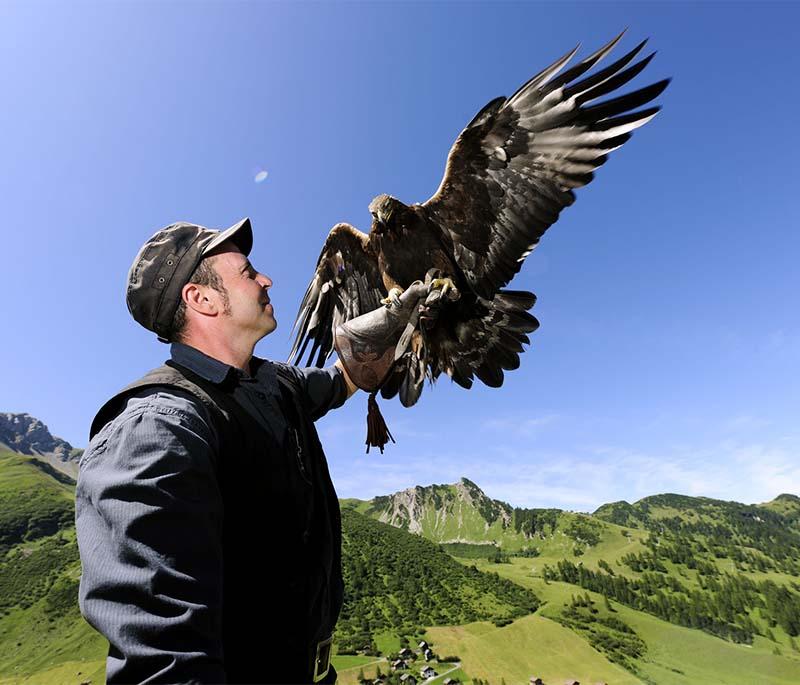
<point x="524" y="426"/>
<point x="583" y="478"/>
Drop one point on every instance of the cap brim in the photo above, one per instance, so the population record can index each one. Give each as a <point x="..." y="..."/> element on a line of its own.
<point x="240" y="233"/>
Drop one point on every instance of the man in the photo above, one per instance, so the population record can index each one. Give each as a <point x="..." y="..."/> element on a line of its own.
<point x="207" y="523"/>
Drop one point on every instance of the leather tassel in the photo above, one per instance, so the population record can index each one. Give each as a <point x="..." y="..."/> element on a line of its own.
<point x="377" y="431"/>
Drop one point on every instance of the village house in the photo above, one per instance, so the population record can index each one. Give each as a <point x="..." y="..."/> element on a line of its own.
<point x="536" y="680"/>
<point x="450" y="681"/>
<point x="428" y="672"/>
<point x="399" y="663"/>
<point x="408" y="679"/>
<point x="428" y="654"/>
<point x="405" y="653"/>
<point x="423" y="645"/>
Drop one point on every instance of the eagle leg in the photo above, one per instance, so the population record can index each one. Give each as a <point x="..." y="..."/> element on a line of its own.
<point x="441" y="290"/>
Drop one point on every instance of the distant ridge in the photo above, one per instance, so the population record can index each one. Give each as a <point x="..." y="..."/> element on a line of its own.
<point x="461" y="512"/>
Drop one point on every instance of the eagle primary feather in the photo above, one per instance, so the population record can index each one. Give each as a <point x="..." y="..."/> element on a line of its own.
<point x="508" y="176"/>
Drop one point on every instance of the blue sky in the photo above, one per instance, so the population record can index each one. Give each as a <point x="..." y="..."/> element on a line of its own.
<point x="668" y="355"/>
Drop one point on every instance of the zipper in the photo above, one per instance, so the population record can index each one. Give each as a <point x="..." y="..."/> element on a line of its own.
<point x="299" y="455"/>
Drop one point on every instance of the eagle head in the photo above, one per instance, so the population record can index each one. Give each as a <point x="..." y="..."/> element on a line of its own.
<point x="385" y="210"/>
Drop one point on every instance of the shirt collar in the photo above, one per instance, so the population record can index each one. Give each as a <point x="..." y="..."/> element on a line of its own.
<point x="217" y="371"/>
<point x="204" y="366"/>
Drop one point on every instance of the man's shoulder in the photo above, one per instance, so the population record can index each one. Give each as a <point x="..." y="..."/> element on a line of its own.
<point x="152" y="414"/>
<point x="165" y="399"/>
<point x="163" y="403"/>
<point x="282" y="369"/>
<point x="153" y="425"/>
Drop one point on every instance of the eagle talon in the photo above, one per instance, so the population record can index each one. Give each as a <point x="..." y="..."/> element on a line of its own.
<point x="447" y="287"/>
<point x="393" y="298"/>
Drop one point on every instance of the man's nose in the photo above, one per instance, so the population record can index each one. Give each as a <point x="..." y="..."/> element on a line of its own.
<point x="265" y="281"/>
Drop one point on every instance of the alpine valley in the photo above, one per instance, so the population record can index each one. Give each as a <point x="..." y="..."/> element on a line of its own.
<point x="666" y="590"/>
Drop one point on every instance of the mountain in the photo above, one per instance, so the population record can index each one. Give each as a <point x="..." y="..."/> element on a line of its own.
<point x="25" y="434"/>
<point x="460" y="514"/>
<point x="468" y="523"/>
<point x="444" y="513"/>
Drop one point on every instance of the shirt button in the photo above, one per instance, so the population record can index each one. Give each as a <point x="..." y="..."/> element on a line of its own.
<point x="260" y="395"/>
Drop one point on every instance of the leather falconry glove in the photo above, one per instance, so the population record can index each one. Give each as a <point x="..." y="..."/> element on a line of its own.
<point x="368" y="346"/>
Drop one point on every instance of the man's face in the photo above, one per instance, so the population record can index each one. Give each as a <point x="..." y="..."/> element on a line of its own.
<point x="248" y="311"/>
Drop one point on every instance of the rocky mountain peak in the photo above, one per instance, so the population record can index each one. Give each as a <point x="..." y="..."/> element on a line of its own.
<point x="448" y="512"/>
<point x="26" y="434"/>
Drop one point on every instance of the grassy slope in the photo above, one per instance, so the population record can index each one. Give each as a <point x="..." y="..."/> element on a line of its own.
<point x="784" y="504"/>
<point x="676" y="655"/>
<point x="533" y="645"/>
<point x="32" y="503"/>
<point x="18" y="473"/>
<point x="35" y="646"/>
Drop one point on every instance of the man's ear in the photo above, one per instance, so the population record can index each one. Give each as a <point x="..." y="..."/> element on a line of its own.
<point x="200" y="299"/>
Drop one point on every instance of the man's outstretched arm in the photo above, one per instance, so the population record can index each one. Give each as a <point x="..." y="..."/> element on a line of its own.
<point x="148" y="518"/>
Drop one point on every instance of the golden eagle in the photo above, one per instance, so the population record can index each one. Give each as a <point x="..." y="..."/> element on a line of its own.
<point x="509" y="174"/>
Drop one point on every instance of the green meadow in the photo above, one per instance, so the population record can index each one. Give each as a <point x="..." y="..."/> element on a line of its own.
<point x="675" y="655"/>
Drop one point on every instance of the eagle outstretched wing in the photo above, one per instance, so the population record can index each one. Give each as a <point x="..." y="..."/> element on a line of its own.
<point x="512" y="169"/>
<point x="346" y="284"/>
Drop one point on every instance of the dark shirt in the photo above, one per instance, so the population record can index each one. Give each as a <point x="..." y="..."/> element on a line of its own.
<point x="146" y="518"/>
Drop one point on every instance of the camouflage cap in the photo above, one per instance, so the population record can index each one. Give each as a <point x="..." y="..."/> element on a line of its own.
<point x="165" y="264"/>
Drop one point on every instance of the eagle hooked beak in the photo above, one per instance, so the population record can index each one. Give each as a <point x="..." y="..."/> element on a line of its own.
<point x="380" y="219"/>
